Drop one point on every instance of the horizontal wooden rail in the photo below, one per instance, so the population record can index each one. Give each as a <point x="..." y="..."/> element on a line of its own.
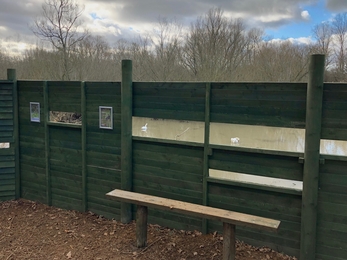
<point x="59" y="124"/>
<point x="257" y="186"/>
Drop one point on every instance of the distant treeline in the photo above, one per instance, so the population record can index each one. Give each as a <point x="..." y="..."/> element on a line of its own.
<point x="213" y="48"/>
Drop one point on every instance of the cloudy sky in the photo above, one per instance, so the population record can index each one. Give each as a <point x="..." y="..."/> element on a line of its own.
<point x="115" y="19"/>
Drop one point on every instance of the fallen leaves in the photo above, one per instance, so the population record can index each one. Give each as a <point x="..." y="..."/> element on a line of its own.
<point x="87" y="236"/>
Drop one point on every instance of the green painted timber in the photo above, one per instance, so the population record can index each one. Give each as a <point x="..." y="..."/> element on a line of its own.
<point x="270" y="204"/>
<point x="312" y="157"/>
<point x="47" y="148"/>
<point x="70" y="125"/>
<point x="251" y="162"/>
<point x="270" y="104"/>
<point x="84" y="147"/>
<point x="170" y="100"/>
<point x="334" y="109"/>
<point x="65" y="96"/>
<point x="7" y="111"/>
<point x="9" y="167"/>
<point x="171" y="171"/>
<point x="103" y="148"/>
<point x="85" y="161"/>
<point x="66" y="167"/>
<point x="126" y="139"/>
<point x="206" y="151"/>
<point x="332" y="210"/>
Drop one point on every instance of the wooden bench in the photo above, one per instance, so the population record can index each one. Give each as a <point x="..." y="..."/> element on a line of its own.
<point x="230" y="219"/>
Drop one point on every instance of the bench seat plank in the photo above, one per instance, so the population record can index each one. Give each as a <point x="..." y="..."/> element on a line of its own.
<point x="226" y="216"/>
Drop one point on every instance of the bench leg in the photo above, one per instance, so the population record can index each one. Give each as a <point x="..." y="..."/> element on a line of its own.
<point x="141" y="226"/>
<point x="229" y="249"/>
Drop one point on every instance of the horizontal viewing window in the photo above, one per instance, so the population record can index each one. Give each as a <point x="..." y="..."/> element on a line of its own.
<point x="168" y="129"/>
<point x="333" y="147"/>
<point x="270" y="138"/>
<point x="259" y="137"/>
<point x="65" y="117"/>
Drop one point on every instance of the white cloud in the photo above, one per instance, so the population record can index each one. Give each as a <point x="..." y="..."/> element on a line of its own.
<point x="15" y="48"/>
<point x="272" y="18"/>
<point x="300" y="40"/>
<point x="113" y="18"/>
<point x="305" y="15"/>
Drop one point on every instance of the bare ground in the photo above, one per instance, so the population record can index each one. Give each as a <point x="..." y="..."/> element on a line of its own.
<point x="30" y="230"/>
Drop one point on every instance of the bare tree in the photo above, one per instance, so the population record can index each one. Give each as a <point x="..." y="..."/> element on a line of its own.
<point x="167" y="45"/>
<point x="323" y="34"/>
<point x="58" y="24"/>
<point x="339" y="29"/>
<point x="92" y="59"/>
<point x="279" y="61"/>
<point x="216" y="47"/>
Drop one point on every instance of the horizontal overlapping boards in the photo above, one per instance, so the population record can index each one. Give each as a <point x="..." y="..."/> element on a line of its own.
<point x="6" y="111"/>
<point x="7" y="155"/>
<point x="332" y="211"/>
<point x="269" y="104"/>
<point x="80" y="164"/>
<point x="51" y="155"/>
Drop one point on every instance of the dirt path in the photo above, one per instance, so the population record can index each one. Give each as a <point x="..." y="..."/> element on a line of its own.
<point x="30" y="230"/>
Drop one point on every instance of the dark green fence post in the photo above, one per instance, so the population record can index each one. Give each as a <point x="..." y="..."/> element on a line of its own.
<point x="84" y="147"/>
<point x="126" y="135"/>
<point x="12" y="76"/>
<point x="206" y="151"/>
<point x="47" y="150"/>
<point x="311" y="157"/>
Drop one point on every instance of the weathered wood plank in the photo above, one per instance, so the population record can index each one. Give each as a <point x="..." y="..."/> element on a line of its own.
<point x="234" y="218"/>
<point x="229" y="249"/>
<point x="166" y="192"/>
<point x="141" y="226"/>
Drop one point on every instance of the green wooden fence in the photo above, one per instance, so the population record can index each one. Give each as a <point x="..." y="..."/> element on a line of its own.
<point x="73" y="166"/>
<point x="9" y="166"/>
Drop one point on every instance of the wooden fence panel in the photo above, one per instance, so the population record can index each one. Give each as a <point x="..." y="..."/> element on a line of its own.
<point x="66" y="167"/>
<point x="334" y="123"/>
<point x="281" y="206"/>
<point x="7" y="155"/>
<point x="103" y="148"/>
<point x="7" y="173"/>
<point x="172" y="171"/>
<point x="64" y="96"/>
<point x="175" y="100"/>
<point x="6" y="112"/>
<point x="332" y="211"/>
<point x="32" y="143"/>
<point x="264" y="201"/>
<point x="269" y="104"/>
